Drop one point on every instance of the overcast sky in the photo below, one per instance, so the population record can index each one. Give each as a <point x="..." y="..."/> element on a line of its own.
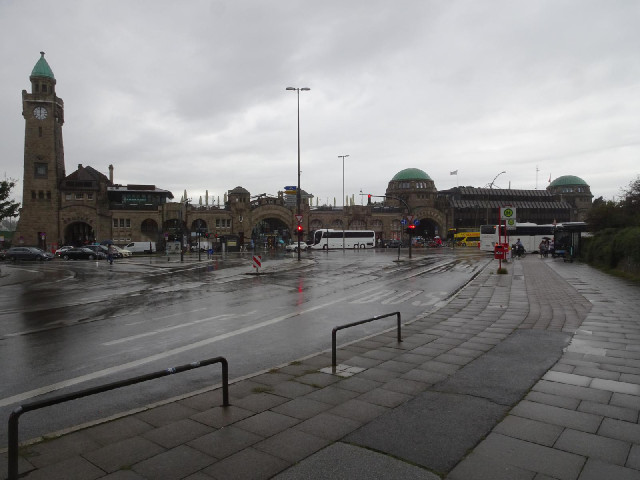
<point x="191" y="94"/>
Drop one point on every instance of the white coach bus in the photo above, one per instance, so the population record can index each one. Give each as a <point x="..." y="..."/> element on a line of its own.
<point x="327" y="238"/>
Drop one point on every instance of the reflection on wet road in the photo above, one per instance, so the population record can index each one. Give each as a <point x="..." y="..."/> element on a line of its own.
<point x="84" y="323"/>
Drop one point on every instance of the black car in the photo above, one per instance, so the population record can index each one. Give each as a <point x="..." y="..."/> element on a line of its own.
<point x="27" y="253"/>
<point x="394" y="243"/>
<point x="82" y="253"/>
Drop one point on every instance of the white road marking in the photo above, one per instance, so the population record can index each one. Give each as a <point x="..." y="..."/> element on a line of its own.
<point x="401" y="297"/>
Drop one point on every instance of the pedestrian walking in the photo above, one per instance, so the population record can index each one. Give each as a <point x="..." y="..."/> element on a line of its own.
<point x="111" y="251"/>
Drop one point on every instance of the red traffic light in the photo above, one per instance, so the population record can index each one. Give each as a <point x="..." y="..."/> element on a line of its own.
<point x="299" y="228"/>
<point x="412" y="226"/>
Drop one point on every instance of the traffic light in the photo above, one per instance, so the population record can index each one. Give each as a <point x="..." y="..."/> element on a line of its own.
<point x="369" y="199"/>
<point x="299" y="231"/>
<point x="411" y="229"/>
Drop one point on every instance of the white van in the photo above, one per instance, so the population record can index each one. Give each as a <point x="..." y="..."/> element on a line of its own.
<point x="141" y="247"/>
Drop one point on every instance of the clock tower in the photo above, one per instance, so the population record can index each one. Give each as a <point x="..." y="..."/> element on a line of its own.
<point x="43" y="113"/>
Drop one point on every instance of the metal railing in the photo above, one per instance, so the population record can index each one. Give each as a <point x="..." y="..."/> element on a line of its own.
<point x="360" y="322"/>
<point x="15" y="415"/>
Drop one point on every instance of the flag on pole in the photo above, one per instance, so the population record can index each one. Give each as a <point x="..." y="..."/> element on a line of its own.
<point x="455" y="172"/>
<point x="549" y="178"/>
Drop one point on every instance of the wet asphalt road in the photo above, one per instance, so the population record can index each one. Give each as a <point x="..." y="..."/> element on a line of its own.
<point x="66" y="326"/>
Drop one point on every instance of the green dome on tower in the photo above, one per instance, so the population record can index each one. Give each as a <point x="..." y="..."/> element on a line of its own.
<point x="42" y="68"/>
<point x="411" y="174"/>
<point x="567" y="180"/>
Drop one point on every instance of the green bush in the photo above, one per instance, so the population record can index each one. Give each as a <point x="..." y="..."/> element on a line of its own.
<point x="614" y="249"/>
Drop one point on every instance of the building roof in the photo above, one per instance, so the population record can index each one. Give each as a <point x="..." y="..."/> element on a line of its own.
<point x="567" y="180"/>
<point x="411" y="174"/>
<point x="42" y="68"/>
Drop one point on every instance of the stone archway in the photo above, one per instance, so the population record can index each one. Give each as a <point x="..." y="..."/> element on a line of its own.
<point x="270" y="232"/>
<point x="79" y="233"/>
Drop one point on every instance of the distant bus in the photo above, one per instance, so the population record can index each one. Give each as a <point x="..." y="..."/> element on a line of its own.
<point x="327" y="238"/>
<point x="530" y="235"/>
<point x="467" y="239"/>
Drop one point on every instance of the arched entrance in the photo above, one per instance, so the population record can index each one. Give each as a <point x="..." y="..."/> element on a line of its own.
<point x="174" y="229"/>
<point x="427" y="229"/>
<point x="79" y="233"/>
<point x="270" y="232"/>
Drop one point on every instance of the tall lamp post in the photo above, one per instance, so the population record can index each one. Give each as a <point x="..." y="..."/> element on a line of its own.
<point x="296" y="89"/>
<point x="343" y="212"/>
<point x="491" y="188"/>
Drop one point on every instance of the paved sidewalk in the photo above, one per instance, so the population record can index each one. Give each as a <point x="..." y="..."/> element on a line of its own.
<point x="530" y="375"/>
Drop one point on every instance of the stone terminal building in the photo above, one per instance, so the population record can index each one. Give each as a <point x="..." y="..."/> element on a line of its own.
<point x="89" y="206"/>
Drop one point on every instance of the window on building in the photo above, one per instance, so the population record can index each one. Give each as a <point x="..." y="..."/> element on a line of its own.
<point x="40" y="170"/>
<point x="39" y="131"/>
<point x="79" y="196"/>
<point x="44" y="88"/>
<point x="48" y="194"/>
<point x="122" y="223"/>
<point x="127" y="222"/>
<point x="90" y="196"/>
<point x="115" y="223"/>
<point x="33" y="194"/>
<point x="41" y="194"/>
<point x="68" y="196"/>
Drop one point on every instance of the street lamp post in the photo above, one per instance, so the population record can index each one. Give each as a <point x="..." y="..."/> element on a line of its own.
<point x="491" y="188"/>
<point x="304" y="89"/>
<point x="343" y="212"/>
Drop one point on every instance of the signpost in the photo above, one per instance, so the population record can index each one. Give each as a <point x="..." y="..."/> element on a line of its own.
<point x="257" y="262"/>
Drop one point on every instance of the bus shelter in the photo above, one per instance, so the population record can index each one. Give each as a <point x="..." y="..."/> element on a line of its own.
<point x="567" y="240"/>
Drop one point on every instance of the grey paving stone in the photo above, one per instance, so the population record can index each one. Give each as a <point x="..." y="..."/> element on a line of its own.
<point x="272" y="378"/>
<point x="318" y="379"/>
<point x="440" y="367"/>
<point x="611" y="411"/>
<point x="613" y="386"/>
<point x="123" y="454"/>
<point x="396" y="366"/>
<point x="626" y="431"/>
<point x="292" y="445"/>
<point x="572" y="391"/>
<point x="248" y="464"/>
<point x="341" y="461"/>
<point x="358" y="410"/>
<point x="116" y="430"/>
<point x="332" y="395"/>
<point x="598" y="470"/>
<point x="568" y="378"/>
<point x="124" y="475"/>
<point x="555" y="400"/>
<point x="633" y="461"/>
<point x="627" y="401"/>
<point x="259" y="402"/>
<point x="166" y="414"/>
<point x="267" y="423"/>
<point x="177" y="433"/>
<point x="589" y="445"/>
<point x="76" y="468"/>
<point x="584" y="422"/>
<point x="378" y="374"/>
<point x="491" y="467"/>
<point x="48" y="452"/>
<point x="174" y="464"/>
<point x="434" y="430"/>
<point x="292" y="389"/>
<point x="329" y="426"/>
<point x="532" y="457"/>
<point x="384" y="397"/>
<point x="358" y="384"/>
<point x="406" y="386"/>
<point x="203" y="401"/>
<point x="219" y="417"/>
<point x="302" y="408"/>
<point x="530" y="430"/>
<point x="225" y="442"/>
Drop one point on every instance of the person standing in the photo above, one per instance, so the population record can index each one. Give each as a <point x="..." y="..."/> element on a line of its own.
<point x="111" y="251"/>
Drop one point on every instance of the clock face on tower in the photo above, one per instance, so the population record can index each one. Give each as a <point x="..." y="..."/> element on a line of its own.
<point x="40" y="113"/>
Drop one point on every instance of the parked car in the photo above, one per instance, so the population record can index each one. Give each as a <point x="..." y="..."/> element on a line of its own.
<point x="28" y="253"/>
<point x="293" y="247"/>
<point x="59" y="251"/>
<point x="3" y="254"/>
<point x="82" y="253"/>
<point x="101" y="249"/>
<point x="394" y="243"/>
<point x="123" y="251"/>
<point x="141" y="247"/>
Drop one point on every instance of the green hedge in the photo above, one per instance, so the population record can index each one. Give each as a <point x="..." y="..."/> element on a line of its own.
<point x="614" y="249"/>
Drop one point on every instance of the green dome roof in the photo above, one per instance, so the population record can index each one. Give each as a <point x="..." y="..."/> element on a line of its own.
<point x="42" y="68"/>
<point x="567" y="180"/>
<point x="411" y="174"/>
